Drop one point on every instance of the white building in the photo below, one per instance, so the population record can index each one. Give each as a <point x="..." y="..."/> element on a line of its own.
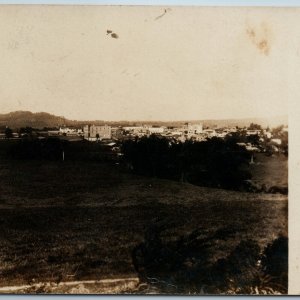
<point x="253" y="132"/>
<point x="276" y="141"/>
<point x="70" y="131"/>
<point x="134" y="129"/>
<point x="152" y="130"/>
<point x="143" y="129"/>
<point x="210" y="132"/>
<point x="268" y="134"/>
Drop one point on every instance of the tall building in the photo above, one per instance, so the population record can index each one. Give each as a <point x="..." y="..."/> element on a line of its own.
<point x="193" y="128"/>
<point x="93" y="132"/>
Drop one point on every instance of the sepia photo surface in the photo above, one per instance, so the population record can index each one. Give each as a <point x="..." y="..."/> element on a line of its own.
<point x="144" y="150"/>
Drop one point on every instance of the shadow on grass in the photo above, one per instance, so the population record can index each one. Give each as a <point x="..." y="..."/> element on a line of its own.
<point x="187" y="266"/>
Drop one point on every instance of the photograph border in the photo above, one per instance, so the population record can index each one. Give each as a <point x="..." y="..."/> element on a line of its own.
<point x="293" y="119"/>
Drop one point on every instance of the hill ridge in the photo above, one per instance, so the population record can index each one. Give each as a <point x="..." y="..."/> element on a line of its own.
<point x="20" y="118"/>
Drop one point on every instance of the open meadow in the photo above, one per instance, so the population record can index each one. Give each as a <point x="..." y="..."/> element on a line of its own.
<point x="270" y="170"/>
<point x="63" y="221"/>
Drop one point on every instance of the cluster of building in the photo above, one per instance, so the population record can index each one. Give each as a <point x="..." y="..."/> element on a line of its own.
<point x="185" y="132"/>
<point x="106" y="132"/>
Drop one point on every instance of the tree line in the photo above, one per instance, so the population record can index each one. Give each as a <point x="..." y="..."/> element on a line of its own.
<point x="56" y="149"/>
<point x="215" y="163"/>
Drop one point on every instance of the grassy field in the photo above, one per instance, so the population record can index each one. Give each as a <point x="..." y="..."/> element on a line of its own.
<point x="270" y="170"/>
<point x="77" y="221"/>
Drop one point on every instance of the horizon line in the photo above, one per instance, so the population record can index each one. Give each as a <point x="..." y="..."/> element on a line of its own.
<point x="141" y="120"/>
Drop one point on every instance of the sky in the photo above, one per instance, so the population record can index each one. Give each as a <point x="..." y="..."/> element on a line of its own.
<point x="168" y="62"/>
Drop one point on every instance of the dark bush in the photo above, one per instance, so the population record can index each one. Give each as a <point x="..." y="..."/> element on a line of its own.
<point x="48" y="149"/>
<point x="215" y="162"/>
<point x="174" y="266"/>
<point x="186" y="265"/>
<point x="26" y="149"/>
<point x="275" y="263"/>
<point x="239" y="270"/>
<point x="278" y="189"/>
<point x="57" y="149"/>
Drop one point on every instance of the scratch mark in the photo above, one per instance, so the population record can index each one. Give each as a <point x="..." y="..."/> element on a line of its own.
<point x="160" y="16"/>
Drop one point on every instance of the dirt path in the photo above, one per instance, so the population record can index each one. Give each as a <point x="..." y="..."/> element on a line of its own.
<point x="104" y="286"/>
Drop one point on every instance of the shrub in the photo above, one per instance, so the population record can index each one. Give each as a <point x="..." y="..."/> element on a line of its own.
<point x="186" y="264"/>
<point x="239" y="270"/>
<point x="275" y="263"/>
<point x="215" y="162"/>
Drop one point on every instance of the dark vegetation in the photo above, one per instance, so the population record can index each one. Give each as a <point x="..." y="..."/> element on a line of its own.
<point x="87" y="217"/>
<point x="218" y="163"/>
<point x="186" y="265"/>
<point x="57" y="149"/>
<point x="213" y="163"/>
<point x="78" y="221"/>
<point x="8" y="133"/>
<point x="221" y="163"/>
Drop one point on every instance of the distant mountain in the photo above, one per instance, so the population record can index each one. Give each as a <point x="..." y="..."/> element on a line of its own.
<point x="40" y="120"/>
<point x="19" y="119"/>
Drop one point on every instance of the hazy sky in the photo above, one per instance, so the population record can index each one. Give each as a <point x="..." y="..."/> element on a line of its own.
<point x="168" y="63"/>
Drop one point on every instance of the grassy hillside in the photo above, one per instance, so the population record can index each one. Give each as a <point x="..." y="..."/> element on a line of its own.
<point x="74" y="221"/>
<point x="270" y="170"/>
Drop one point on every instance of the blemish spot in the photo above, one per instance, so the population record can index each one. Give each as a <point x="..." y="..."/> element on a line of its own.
<point x="260" y="36"/>
<point x="264" y="47"/>
<point x="112" y="34"/>
<point x="251" y="33"/>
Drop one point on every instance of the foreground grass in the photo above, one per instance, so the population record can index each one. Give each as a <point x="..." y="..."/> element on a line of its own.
<point x="77" y="221"/>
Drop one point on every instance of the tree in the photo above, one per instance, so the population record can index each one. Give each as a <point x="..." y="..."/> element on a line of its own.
<point x="215" y="163"/>
<point x="237" y="137"/>
<point x="284" y="143"/>
<point x="26" y="131"/>
<point x="277" y="131"/>
<point x="253" y="139"/>
<point x="31" y="149"/>
<point x="254" y="126"/>
<point x="97" y="137"/>
<point x="8" y="133"/>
